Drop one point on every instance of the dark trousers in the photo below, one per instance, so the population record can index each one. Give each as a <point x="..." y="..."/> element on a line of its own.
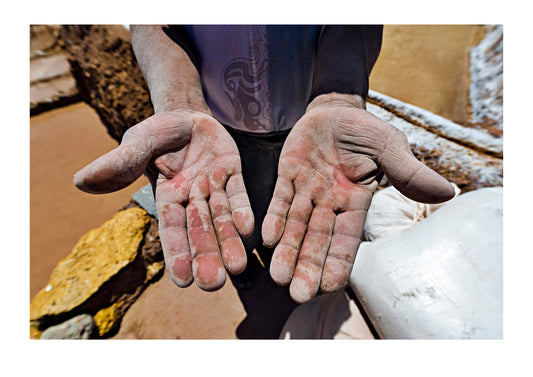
<point x="267" y="304"/>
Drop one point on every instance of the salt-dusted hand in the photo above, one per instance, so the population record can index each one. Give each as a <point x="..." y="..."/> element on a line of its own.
<point x="201" y="199"/>
<point x="329" y="168"/>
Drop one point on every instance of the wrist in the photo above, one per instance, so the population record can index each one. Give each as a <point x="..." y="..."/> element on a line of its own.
<point x="335" y="99"/>
<point x="173" y="102"/>
<point x="170" y="91"/>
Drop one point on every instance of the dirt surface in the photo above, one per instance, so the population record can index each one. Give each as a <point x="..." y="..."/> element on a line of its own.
<point x="61" y="142"/>
<point x="183" y="313"/>
<point x="428" y="66"/>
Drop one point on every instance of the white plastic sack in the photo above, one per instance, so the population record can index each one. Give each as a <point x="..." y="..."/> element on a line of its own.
<point x="328" y="316"/>
<point x="442" y="277"/>
<point x="391" y="212"/>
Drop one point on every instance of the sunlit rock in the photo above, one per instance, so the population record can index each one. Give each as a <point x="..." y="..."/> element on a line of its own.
<point x="95" y="260"/>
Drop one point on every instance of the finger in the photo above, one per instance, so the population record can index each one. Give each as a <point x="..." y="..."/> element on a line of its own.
<point x="207" y="265"/>
<point x="286" y="253"/>
<point x="174" y="241"/>
<point x="342" y="250"/>
<point x="410" y="176"/>
<point x="241" y="210"/>
<point x="208" y="269"/>
<point x="114" y="170"/>
<point x="231" y="247"/>
<point x="308" y="272"/>
<point x="173" y="231"/>
<point x="274" y="222"/>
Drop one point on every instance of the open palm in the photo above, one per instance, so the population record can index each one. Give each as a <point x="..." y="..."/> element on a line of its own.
<point x="329" y="168"/>
<point x="201" y="200"/>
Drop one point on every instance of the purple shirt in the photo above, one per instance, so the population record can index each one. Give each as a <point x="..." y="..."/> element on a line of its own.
<point x="260" y="78"/>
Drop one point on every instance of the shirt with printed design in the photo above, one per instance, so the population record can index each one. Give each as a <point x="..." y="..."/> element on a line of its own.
<point x="260" y="78"/>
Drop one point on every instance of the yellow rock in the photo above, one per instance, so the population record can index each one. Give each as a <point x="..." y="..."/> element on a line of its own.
<point x="98" y="256"/>
<point x="35" y="333"/>
<point x="105" y="319"/>
<point x="153" y="269"/>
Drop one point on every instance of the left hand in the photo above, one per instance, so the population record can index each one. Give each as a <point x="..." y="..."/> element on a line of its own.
<point x="329" y="168"/>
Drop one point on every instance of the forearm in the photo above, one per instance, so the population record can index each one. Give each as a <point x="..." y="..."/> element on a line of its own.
<point x="171" y="76"/>
<point x="345" y="57"/>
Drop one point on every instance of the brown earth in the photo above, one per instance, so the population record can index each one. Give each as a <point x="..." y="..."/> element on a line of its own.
<point x="62" y="141"/>
<point x="182" y="313"/>
<point x="428" y="66"/>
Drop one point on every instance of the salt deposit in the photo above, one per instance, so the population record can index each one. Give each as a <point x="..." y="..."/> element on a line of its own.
<point x="486" y="75"/>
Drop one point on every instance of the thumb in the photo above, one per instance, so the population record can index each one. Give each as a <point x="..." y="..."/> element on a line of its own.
<point x="410" y="176"/>
<point x="114" y="170"/>
<point x="123" y="165"/>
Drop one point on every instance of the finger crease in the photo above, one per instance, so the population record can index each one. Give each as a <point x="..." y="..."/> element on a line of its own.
<point x="297" y="249"/>
<point x="308" y="259"/>
<point x="417" y="169"/>
<point x="319" y="232"/>
<point x="202" y="253"/>
<point x="205" y="226"/>
<point x="345" y="259"/>
<point x="297" y="221"/>
<point x="226" y="217"/>
<point x="346" y="235"/>
<point x="230" y="239"/>
<point x="167" y="227"/>
<point x="246" y="206"/>
<point x="285" y="200"/>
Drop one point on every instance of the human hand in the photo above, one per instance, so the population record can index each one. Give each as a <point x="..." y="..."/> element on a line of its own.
<point x="329" y="168"/>
<point x="201" y="200"/>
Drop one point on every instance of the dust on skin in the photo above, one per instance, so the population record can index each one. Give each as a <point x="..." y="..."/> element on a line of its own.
<point x="312" y="171"/>
<point x="308" y="272"/>
<point x="327" y="174"/>
<point x="211" y="191"/>
<point x="209" y="271"/>
<point x="230" y="243"/>
<point x="204" y="246"/>
<point x="181" y="270"/>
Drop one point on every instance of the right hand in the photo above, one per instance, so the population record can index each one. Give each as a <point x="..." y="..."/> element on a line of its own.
<point x="200" y="196"/>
